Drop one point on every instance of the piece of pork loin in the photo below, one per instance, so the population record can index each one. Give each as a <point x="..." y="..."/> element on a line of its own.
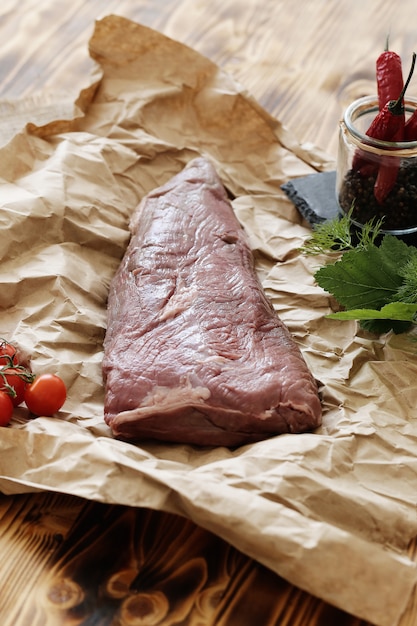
<point x="194" y="352"/>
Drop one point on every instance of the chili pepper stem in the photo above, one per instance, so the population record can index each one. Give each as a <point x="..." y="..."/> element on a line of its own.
<point x="396" y="107"/>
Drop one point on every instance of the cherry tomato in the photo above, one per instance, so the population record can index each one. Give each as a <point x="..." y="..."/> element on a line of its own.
<point x="12" y="382"/>
<point x="6" y="409"/>
<point x="45" y="395"/>
<point x="8" y="354"/>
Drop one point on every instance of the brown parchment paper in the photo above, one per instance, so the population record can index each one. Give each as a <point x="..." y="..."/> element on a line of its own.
<point x="331" y="511"/>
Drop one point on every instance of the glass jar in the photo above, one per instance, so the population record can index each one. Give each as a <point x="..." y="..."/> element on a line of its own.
<point x="361" y="159"/>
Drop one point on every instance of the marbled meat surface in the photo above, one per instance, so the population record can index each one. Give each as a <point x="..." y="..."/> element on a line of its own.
<point x="194" y="352"/>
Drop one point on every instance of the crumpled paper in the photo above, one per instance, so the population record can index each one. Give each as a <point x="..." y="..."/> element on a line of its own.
<point x="331" y="511"/>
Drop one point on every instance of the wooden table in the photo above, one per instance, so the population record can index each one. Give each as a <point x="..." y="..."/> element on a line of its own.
<point x="303" y="61"/>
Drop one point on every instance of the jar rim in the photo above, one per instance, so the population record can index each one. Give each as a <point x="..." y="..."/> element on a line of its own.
<point x="369" y="104"/>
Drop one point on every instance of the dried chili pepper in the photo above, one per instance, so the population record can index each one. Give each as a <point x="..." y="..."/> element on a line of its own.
<point x="391" y="119"/>
<point x="389" y="76"/>
<point x="387" y="173"/>
<point x="389" y="125"/>
<point x="389" y="79"/>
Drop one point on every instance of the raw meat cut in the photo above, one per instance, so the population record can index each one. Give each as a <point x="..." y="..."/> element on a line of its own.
<point x="194" y="352"/>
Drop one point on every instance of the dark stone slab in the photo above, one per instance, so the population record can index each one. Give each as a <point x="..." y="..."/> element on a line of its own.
<point x="314" y="196"/>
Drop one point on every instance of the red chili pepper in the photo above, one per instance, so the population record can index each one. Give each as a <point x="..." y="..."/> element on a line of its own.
<point x="390" y="85"/>
<point x="391" y="119"/>
<point x="387" y="173"/>
<point x="389" y="125"/>
<point x="389" y="76"/>
<point x="363" y="163"/>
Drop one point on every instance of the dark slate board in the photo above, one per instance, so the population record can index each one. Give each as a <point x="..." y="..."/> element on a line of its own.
<point x="314" y="196"/>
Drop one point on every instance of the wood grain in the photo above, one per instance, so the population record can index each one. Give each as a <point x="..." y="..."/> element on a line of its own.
<point x="302" y="61"/>
<point x="70" y="562"/>
<point x="80" y="563"/>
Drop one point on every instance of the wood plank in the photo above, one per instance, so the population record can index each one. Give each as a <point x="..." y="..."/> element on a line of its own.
<point x="32" y="527"/>
<point x="83" y="562"/>
<point x="304" y="62"/>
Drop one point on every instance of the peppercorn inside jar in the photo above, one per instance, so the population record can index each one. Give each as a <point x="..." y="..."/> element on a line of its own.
<point x="375" y="179"/>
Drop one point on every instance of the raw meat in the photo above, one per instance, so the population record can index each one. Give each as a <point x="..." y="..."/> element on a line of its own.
<point x="194" y="352"/>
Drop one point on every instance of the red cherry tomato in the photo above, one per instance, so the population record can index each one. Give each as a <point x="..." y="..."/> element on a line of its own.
<point x="6" y="409"/>
<point x="8" y="354"/>
<point x="45" y="395"/>
<point x="12" y="382"/>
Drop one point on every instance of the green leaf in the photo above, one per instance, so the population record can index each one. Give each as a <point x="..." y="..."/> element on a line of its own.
<point x="392" y="311"/>
<point x="383" y="326"/>
<point x="366" y="278"/>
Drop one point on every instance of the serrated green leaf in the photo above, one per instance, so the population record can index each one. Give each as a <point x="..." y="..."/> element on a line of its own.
<point x="396" y="250"/>
<point x="366" y="278"/>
